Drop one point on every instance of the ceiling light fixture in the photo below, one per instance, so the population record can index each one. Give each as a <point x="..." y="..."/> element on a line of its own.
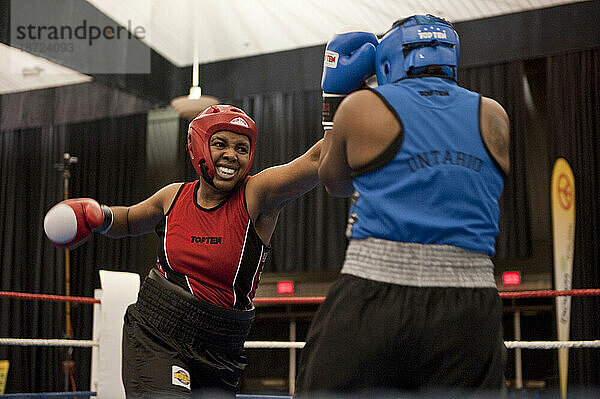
<point x="194" y="103"/>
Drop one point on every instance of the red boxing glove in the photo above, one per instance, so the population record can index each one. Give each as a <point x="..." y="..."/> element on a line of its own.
<point x="71" y="222"/>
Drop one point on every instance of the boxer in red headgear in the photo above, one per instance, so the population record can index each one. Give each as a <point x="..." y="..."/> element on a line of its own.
<point x="213" y="119"/>
<point x="187" y="330"/>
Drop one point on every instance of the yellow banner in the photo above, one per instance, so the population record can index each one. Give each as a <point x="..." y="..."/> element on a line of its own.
<point x="563" y="237"/>
<point x="3" y="375"/>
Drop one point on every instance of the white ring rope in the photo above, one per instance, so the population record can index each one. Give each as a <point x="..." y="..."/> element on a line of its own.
<point x="297" y="345"/>
<point x="48" y="342"/>
<point x="552" y="344"/>
<point x="509" y="344"/>
<point x="274" y="344"/>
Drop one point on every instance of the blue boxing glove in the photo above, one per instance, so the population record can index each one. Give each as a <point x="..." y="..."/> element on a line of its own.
<point x="349" y="62"/>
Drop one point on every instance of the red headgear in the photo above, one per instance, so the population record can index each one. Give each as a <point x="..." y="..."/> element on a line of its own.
<point x="213" y="119"/>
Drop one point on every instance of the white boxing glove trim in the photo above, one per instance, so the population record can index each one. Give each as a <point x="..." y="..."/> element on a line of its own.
<point x="60" y="224"/>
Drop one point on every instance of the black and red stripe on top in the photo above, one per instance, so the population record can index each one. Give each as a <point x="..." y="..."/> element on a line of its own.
<point x="214" y="253"/>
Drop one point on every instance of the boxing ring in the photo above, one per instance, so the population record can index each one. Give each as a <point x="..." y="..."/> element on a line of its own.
<point x="119" y="289"/>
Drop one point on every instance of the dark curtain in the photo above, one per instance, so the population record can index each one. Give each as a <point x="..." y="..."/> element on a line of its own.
<point x="573" y="105"/>
<point x="310" y="233"/>
<point x="504" y="83"/>
<point x="111" y="155"/>
<point x="29" y="263"/>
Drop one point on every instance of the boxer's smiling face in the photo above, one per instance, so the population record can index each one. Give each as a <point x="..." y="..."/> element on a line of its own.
<point x="231" y="155"/>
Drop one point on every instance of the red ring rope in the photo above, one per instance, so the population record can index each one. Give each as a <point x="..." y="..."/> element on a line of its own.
<point x="289" y="300"/>
<point x="548" y="293"/>
<point x="310" y="299"/>
<point x="44" y="297"/>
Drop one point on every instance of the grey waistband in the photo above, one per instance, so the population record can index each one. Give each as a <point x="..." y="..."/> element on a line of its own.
<point x="418" y="265"/>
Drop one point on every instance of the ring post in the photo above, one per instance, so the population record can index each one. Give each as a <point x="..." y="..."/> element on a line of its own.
<point x="119" y="290"/>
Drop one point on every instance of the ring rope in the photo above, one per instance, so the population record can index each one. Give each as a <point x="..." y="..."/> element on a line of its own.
<point x="40" y="395"/>
<point x="46" y="297"/>
<point x="91" y="393"/>
<point x="273" y="345"/>
<point x="48" y="342"/>
<point x="295" y="345"/>
<point x="83" y="394"/>
<point x="504" y="295"/>
<point x="304" y="300"/>
<point x="309" y="299"/>
<point x="289" y="300"/>
<point x="552" y="344"/>
<point x="509" y="344"/>
<point x="548" y="293"/>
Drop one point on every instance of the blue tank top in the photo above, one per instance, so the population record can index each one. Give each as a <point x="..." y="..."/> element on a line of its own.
<point x="437" y="183"/>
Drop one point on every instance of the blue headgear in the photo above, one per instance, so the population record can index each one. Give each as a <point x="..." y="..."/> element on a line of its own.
<point x="414" y="43"/>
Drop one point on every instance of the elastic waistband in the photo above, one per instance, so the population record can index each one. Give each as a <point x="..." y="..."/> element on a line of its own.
<point x="418" y="265"/>
<point x="185" y="318"/>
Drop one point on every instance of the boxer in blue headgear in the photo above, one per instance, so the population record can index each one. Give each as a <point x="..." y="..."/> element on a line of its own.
<point x="425" y="40"/>
<point x="424" y="160"/>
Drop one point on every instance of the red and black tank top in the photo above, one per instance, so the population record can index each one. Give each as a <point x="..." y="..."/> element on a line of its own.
<point x="214" y="253"/>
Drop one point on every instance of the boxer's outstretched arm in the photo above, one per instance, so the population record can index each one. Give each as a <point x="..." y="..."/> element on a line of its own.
<point x="273" y="188"/>
<point x="71" y="222"/>
<point x="142" y="218"/>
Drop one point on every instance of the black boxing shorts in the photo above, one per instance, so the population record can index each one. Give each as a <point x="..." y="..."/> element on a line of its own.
<point x="175" y="345"/>
<point x="374" y="337"/>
